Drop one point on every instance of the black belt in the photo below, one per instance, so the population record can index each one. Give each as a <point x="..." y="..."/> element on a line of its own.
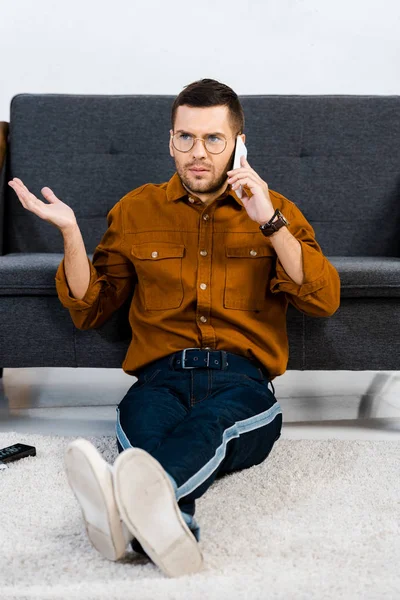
<point x="195" y="358"/>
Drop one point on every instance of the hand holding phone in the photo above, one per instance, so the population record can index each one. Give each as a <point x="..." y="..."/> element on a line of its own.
<point x="240" y="151"/>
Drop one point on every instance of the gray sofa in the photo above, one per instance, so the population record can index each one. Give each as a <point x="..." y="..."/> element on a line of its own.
<point x="337" y="157"/>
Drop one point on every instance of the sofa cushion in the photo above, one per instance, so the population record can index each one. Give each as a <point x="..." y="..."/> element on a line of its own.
<point x="336" y="156"/>
<point x="34" y="274"/>
<point x="368" y="276"/>
<point x="29" y="274"/>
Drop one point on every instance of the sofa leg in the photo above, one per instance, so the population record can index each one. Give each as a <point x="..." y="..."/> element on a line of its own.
<point x="372" y="396"/>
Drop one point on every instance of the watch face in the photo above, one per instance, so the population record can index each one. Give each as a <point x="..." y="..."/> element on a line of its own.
<point x="278" y="221"/>
<point x="283" y="218"/>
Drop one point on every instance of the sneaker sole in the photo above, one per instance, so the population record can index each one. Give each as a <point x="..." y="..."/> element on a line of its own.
<point x="93" y="488"/>
<point x="147" y="505"/>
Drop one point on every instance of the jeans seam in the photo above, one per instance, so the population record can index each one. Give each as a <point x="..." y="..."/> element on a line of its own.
<point x="209" y="389"/>
<point x="156" y="372"/>
<point x="145" y="381"/>
<point x="251" y="379"/>
<point x="192" y="399"/>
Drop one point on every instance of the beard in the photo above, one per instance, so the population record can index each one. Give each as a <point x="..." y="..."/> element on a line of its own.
<point x="204" y="184"/>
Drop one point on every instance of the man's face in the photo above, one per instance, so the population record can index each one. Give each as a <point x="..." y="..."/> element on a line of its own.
<point x="201" y="122"/>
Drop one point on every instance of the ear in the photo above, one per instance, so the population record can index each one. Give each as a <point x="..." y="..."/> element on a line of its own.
<point x="243" y="136"/>
<point x="171" y="148"/>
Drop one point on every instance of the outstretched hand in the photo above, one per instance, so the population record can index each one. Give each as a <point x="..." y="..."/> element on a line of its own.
<point x="55" y="212"/>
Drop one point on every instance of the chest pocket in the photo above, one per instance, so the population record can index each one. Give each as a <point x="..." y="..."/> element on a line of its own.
<point x="247" y="275"/>
<point x="159" y="269"/>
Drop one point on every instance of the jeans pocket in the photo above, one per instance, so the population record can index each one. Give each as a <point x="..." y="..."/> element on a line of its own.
<point x="146" y="377"/>
<point x="151" y="375"/>
<point x="258" y="378"/>
<point x="261" y="383"/>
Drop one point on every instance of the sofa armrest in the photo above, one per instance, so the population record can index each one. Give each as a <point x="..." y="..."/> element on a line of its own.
<point x="4" y="129"/>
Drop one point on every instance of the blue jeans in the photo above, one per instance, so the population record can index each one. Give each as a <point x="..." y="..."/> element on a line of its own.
<point x="200" y="423"/>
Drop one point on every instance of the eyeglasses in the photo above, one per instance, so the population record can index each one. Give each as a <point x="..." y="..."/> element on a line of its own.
<point x="184" y="142"/>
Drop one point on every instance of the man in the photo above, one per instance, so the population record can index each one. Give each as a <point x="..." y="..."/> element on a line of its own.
<point x="210" y="276"/>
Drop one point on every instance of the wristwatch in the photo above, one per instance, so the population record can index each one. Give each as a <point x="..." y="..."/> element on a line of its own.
<point x="274" y="225"/>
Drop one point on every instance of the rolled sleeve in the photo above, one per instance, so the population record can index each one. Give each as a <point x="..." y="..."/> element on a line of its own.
<point x="112" y="278"/>
<point x="319" y="294"/>
<point x="313" y="262"/>
<point x="64" y="292"/>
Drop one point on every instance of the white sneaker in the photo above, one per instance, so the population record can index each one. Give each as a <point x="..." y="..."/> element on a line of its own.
<point x="90" y="478"/>
<point x="147" y="504"/>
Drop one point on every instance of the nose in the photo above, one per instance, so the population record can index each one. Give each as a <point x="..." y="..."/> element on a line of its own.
<point x="199" y="148"/>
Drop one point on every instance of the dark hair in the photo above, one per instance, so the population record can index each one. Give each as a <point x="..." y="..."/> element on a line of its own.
<point x="209" y="92"/>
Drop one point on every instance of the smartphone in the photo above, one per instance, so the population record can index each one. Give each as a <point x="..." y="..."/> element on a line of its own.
<point x="15" y="452"/>
<point x="240" y="150"/>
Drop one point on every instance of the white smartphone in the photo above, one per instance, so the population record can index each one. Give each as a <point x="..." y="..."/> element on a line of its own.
<point x="240" y="150"/>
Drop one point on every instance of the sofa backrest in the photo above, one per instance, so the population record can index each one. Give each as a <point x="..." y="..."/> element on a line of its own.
<point x="337" y="157"/>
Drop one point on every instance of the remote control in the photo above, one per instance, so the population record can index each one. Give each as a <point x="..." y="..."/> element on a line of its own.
<point x="16" y="452"/>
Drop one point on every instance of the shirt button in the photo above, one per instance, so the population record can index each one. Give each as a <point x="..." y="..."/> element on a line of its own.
<point x="154" y="254"/>
<point x="206" y="217"/>
<point x="191" y="200"/>
<point x="207" y="348"/>
<point x="203" y="286"/>
<point x="203" y="319"/>
<point x="203" y="252"/>
<point x="253" y="252"/>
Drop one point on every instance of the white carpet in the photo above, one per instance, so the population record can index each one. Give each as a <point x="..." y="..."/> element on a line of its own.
<point x="317" y="520"/>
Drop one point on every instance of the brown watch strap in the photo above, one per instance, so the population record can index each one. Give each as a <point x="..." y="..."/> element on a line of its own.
<point x="269" y="228"/>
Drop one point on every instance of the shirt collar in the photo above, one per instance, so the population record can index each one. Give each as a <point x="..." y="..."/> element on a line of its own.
<point x="176" y="191"/>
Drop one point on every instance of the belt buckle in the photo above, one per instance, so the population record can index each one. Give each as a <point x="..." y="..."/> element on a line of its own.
<point x="184" y="358"/>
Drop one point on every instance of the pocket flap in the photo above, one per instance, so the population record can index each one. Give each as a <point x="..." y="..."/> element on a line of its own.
<point x="250" y="251"/>
<point x="157" y="250"/>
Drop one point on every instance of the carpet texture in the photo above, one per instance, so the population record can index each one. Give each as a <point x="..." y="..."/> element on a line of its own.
<point x="317" y="520"/>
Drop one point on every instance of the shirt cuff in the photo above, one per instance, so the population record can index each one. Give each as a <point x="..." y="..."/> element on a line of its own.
<point x="314" y="269"/>
<point x="64" y="293"/>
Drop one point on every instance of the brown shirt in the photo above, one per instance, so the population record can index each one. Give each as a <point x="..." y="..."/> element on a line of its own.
<point x="202" y="276"/>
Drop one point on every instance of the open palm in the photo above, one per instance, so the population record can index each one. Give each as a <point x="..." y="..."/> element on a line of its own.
<point x="56" y="212"/>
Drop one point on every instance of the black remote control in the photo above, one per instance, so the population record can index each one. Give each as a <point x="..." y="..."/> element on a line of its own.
<point x="16" y="452"/>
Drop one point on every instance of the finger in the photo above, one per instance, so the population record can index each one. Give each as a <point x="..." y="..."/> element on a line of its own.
<point x="21" y="183"/>
<point x="15" y="185"/>
<point x="236" y="173"/>
<point x="18" y="190"/>
<point x="49" y="195"/>
<point x="34" y="205"/>
<point x="18" y="186"/>
<point x="238" y="179"/>
<point x="29" y="200"/>
<point x="246" y="180"/>
<point x="236" y="170"/>
<point x="246" y="170"/>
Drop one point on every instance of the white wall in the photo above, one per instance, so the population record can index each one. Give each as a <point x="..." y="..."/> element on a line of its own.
<point x="158" y="47"/>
